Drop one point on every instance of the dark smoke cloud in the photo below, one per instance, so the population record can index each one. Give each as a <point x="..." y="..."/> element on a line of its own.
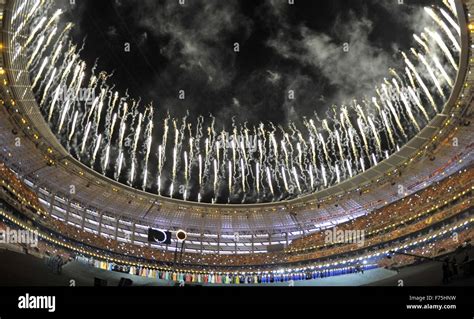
<point x="196" y="54"/>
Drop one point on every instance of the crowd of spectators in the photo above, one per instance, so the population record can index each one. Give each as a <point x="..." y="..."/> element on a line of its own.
<point x="375" y="226"/>
<point x="11" y="184"/>
<point x="56" y="257"/>
<point x="433" y="250"/>
<point x="403" y="230"/>
<point x="396" y="212"/>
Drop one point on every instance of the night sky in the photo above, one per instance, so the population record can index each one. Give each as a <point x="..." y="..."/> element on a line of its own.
<point x="326" y="52"/>
<point x="283" y="47"/>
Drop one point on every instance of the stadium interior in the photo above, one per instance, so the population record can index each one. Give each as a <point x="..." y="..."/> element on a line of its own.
<point x="409" y="215"/>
